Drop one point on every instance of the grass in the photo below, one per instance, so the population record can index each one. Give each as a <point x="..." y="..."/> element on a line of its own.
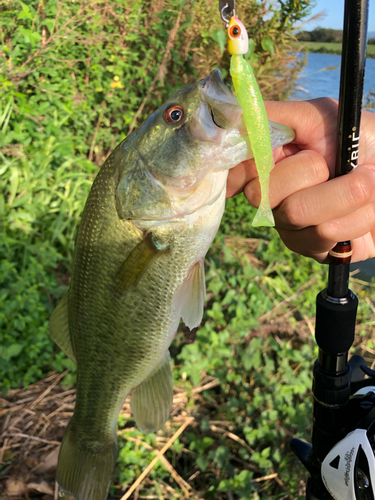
<point x="331" y="48"/>
<point x="242" y="381"/>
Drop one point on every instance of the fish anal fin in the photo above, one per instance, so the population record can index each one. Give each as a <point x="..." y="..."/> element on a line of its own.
<point x="138" y="261"/>
<point x="190" y="296"/>
<point x="59" y="328"/>
<point x="151" y="401"/>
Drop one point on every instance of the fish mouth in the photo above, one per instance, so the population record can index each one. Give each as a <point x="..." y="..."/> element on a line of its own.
<point x="225" y="110"/>
<point x="217" y="112"/>
<point x="213" y="119"/>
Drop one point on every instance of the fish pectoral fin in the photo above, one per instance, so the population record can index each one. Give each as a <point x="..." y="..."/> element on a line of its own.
<point x="151" y="401"/>
<point x="138" y="261"/>
<point x="190" y="296"/>
<point x="59" y="328"/>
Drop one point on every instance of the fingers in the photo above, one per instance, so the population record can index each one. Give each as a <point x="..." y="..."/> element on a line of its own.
<point x="349" y="216"/>
<point x="315" y="124"/>
<point x="239" y="176"/>
<point x="327" y="201"/>
<point x="245" y="172"/>
<point x="316" y="241"/>
<point x="291" y="175"/>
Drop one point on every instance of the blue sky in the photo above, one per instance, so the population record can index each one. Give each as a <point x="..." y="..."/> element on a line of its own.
<point x="334" y="15"/>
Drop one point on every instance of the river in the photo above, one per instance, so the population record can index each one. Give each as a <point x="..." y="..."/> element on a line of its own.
<point x="321" y="78"/>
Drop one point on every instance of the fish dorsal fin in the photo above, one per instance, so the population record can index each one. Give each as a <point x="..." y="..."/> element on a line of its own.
<point x="137" y="262"/>
<point x="151" y="401"/>
<point x="59" y="328"/>
<point x="190" y="297"/>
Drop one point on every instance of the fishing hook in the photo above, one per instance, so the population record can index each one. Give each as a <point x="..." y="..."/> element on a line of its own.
<point x="224" y="16"/>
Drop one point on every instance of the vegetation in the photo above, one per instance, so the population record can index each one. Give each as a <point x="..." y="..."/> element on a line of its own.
<point x="332" y="48"/>
<point x="320" y="35"/>
<point x="327" y="41"/>
<point x="76" y="78"/>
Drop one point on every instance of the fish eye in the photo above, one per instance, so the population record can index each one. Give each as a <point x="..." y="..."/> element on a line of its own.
<point x="235" y="31"/>
<point x="174" y="114"/>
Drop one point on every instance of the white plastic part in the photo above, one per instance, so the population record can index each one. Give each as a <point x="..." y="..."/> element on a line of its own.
<point x="338" y="468"/>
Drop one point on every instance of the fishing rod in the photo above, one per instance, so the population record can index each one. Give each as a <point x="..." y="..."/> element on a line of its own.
<point x="341" y="458"/>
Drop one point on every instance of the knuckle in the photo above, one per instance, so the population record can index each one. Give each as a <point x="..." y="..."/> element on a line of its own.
<point x="359" y="190"/>
<point x="318" y="167"/>
<point x="295" y="212"/>
<point x="328" y="230"/>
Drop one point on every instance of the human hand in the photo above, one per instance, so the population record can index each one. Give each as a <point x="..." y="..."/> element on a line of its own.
<point x="312" y="215"/>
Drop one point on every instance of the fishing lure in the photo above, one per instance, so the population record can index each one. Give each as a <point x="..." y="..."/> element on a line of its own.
<point x="254" y="112"/>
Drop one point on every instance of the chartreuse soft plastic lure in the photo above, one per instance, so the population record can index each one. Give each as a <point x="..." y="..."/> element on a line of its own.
<point x="254" y="112"/>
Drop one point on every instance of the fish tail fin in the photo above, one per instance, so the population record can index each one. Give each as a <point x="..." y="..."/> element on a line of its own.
<point x="85" y="470"/>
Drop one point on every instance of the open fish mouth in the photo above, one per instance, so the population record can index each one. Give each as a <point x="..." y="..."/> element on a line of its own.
<point x="224" y="107"/>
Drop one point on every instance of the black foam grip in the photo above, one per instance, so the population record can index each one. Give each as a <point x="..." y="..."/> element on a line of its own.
<point x="335" y="325"/>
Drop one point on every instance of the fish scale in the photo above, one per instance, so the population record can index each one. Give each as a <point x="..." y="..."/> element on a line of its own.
<point x="135" y="338"/>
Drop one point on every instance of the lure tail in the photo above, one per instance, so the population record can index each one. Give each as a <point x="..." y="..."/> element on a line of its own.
<point x="264" y="215"/>
<point x="85" y="470"/>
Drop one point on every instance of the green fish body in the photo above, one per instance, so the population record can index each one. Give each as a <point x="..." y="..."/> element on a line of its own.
<point x="151" y="215"/>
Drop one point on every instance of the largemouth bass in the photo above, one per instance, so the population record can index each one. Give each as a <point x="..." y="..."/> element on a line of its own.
<point x="151" y="215"/>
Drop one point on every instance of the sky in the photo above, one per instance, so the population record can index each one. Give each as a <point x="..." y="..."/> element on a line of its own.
<point x="334" y="15"/>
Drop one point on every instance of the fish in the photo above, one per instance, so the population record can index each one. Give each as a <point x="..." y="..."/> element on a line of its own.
<point x="151" y="215"/>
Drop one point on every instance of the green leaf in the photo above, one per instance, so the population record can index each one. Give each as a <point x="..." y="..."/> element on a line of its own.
<point x="49" y="23"/>
<point x="268" y="46"/>
<point x="25" y="12"/>
<point x="251" y="46"/>
<point x="13" y="185"/>
<point x="11" y="351"/>
<point x="4" y="118"/>
<point x="2" y="205"/>
<point x="202" y="462"/>
<point x="220" y="38"/>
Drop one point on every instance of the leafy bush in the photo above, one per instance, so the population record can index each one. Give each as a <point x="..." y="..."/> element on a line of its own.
<point x="325" y="35"/>
<point x="44" y="196"/>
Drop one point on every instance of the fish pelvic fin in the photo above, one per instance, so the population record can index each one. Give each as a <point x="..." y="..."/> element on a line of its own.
<point x="151" y="402"/>
<point x="59" y="328"/>
<point x="85" y="469"/>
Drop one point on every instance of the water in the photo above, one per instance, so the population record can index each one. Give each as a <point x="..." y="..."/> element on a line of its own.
<point x="317" y="81"/>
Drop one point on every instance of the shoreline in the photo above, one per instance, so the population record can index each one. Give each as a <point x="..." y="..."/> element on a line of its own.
<point x="329" y="48"/>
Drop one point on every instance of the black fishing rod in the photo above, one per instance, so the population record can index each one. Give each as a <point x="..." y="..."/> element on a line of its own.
<point x="341" y="459"/>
